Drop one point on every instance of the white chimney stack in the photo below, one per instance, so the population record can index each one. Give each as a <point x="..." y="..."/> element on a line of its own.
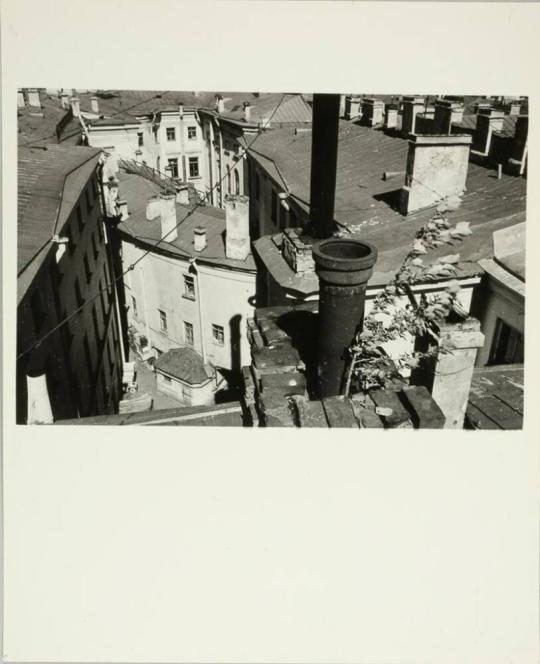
<point x="181" y="109"/>
<point x="220" y="104"/>
<point x="182" y="195"/>
<point x="94" y="101"/>
<point x="39" y="406"/>
<point x="199" y="238"/>
<point x="21" y="102"/>
<point x="33" y="97"/>
<point x="153" y="208"/>
<point x="75" y="107"/>
<point x="237" y="245"/>
<point x="247" y="111"/>
<point x="64" y="98"/>
<point x="168" y="217"/>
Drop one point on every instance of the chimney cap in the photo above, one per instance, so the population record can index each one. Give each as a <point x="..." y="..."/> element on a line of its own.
<point x="199" y="230"/>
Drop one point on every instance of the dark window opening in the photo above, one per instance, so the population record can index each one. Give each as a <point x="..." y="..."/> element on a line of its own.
<point x="173" y="167"/>
<point x="273" y="212"/>
<point x="38" y="310"/>
<point x="194" y="167"/>
<point x="171" y="133"/>
<point x="191" y="133"/>
<point x="508" y="345"/>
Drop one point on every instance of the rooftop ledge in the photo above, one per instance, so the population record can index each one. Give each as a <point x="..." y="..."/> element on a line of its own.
<point x="441" y="139"/>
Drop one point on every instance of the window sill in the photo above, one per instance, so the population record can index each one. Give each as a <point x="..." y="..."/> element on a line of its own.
<point x="188" y="297"/>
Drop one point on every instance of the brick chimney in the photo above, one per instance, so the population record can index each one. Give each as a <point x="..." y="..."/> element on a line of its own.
<point x="436" y="170"/>
<point x="344" y="267"/>
<point x="372" y="112"/>
<point x="391" y="116"/>
<point x="518" y="160"/>
<point x="75" y="107"/>
<point x="412" y="105"/>
<point x="199" y="238"/>
<point x="247" y="111"/>
<point x="488" y="120"/>
<point x="237" y="246"/>
<point x="33" y="97"/>
<point x="94" y="102"/>
<point x="453" y="370"/>
<point x="446" y="112"/>
<point x="168" y="216"/>
<point x="220" y="104"/>
<point x="21" y="102"/>
<point x="352" y="106"/>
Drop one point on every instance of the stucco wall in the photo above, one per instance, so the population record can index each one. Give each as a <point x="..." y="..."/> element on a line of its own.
<point x="223" y="296"/>
<point x="189" y="395"/>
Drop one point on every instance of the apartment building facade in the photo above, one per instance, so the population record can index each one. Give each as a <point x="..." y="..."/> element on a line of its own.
<point x="65" y="273"/>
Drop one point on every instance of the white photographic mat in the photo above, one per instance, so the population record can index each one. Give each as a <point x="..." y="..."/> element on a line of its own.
<point x="176" y="544"/>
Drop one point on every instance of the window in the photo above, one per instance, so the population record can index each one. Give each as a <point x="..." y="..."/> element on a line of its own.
<point x="80" y="221"/>
<point x="273" y="213"/>
<point x="162" y="321"/>
<point x="87" y="268"/>
<point x="192" y="133"/>
<point x="228" y="180"/>
<point x="69" y="234"/>
<point x="189" y="287"/>
<point x="257" y="186"/>
<point x="38" y="310"/>
<point x="88" y="200"/>
<point x="140" y="139"/>
<point x="94" y="246"/>
<point x="134" y="306"/>
<point x="171" y="133"/>
<point x="236" y="182"/>
<point x="173" y="167"/>
<point x="188" y="334"/>
<point x="218" y="334"/>
<point x="508" y="345"/>
<point x="78" y="296"/>
<point x="194" y="167"/>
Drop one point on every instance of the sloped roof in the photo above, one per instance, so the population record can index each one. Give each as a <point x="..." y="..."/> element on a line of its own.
<point x="137" y="190"/>
<point x="186" y="365"/>
<point x="363" y="198"/>
<point x="37" y="126"/>
<point x="293" y="109"/>
<point x="50" y="181"/>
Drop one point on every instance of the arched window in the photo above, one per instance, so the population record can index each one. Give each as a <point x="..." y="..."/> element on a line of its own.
<point x="229" y="179"/>
<point x="236" y="182"/>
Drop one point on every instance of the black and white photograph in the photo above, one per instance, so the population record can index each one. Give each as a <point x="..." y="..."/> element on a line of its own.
<point x="258" y="259"/>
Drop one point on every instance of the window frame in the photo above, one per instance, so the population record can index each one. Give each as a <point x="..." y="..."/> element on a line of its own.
<point x="218" y="334"/>
<point x="194" y="161"/>
<point x="170" y="131"/>
<point x="192" y="132"/>
<point x="189" y="334"/>
<point x="163" y="325"/>
<point x="172" y="162"/>
<point x="189" y="287"/>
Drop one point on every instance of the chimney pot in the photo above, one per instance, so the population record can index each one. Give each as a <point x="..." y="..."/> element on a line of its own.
<point x="21" y="102"/>
<point x="94" y="101"/>
<point x="122" y="209"/>
<point x="181" y="109"/>
<point x="199" y="238"/>
<point x="247" y="111"/>
<point x="220" y="104"/>
<point x="344" y="267"/>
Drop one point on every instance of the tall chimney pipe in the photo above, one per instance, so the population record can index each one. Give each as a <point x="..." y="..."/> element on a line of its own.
<point x="344" y="267"/>
<point x="324" y="148"/>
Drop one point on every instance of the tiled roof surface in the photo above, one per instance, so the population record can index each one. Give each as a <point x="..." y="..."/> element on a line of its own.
<point x="292" y="110"/>
<point x="508" y="129"/>
<point x="496" y="398"/>
<point x="185" y="364"/>
<point x="137" y="190"/>
<point x="37" y="126"/>
<point x="363" y="198"/>
<point x="49" y="183"/>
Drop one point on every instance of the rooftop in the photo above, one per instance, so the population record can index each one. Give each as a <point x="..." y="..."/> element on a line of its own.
<point x="364" y="201"/>
<point x="186" y="365"/>
<point x="137" y="190"/>
<point x="496" y="398"/>
<point x="50" y="181"/>
<point x="37" y="126"/>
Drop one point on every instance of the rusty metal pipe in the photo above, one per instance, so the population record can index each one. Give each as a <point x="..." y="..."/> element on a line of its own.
<point x="344" y="267"/>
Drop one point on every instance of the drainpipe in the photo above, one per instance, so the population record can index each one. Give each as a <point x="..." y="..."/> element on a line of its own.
<point x="324" y="149"/>
<point x="211" y="160"/>
<point x="220" y="164"/>
<point x="196" y="269"/>
<point x="147" y="324"/>
<point x="344" y="267"/>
